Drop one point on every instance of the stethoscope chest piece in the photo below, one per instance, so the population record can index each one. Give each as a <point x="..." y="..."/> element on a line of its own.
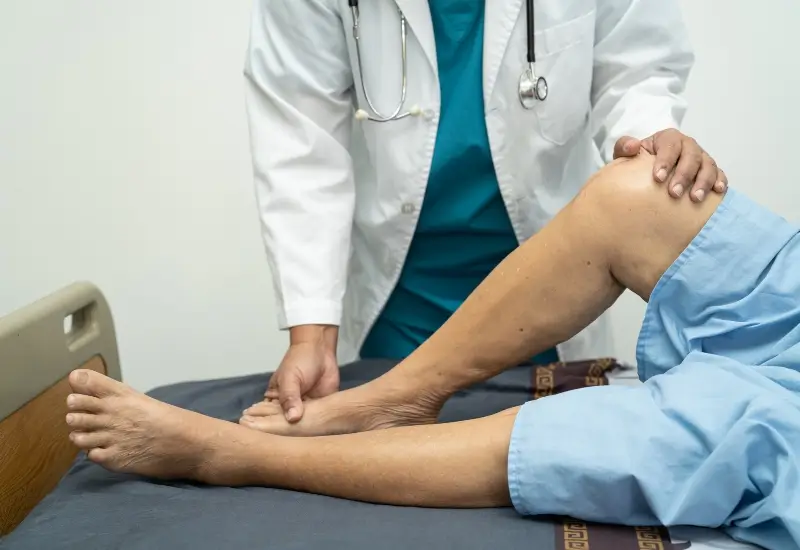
<point x="532" y="89"/>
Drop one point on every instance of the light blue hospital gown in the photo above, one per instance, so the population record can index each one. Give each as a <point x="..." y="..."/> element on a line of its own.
<point x="712" y="438"/>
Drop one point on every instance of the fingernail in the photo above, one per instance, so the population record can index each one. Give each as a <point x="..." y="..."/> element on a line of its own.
<point x="678" y="190"/>
<point x="292" y="414"/>
<point x="719" y="186"/>
<point x="661" y="175"/>
<point x="247" y="418"/>
<point x="699" y="194"/>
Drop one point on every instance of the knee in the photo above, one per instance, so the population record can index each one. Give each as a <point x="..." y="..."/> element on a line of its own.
<point x="626" y="192"/>
<point x="624" y="185"/>
<point x="640" y="228"/>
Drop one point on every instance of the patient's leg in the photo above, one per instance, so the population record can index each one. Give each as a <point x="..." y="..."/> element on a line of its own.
<point x="621" y="232"/>
<point x="454" y="465"/>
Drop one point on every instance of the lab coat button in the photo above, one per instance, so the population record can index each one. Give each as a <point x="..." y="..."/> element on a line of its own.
<point x="407" y="208"/>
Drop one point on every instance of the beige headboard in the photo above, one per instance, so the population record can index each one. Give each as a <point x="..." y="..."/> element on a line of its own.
<point x="39" y="346"/>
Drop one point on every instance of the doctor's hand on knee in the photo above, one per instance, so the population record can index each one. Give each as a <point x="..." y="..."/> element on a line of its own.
<point x="680" y="162"/>
<point x="308" y="370"/>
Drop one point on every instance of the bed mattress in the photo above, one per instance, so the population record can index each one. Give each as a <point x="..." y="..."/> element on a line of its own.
<point x="92" y="508"/>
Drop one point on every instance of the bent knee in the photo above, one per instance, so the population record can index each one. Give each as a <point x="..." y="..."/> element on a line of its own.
<point x="624" y="175"/>
<point x="644" y="227"/>
<point x="627" y="185"/>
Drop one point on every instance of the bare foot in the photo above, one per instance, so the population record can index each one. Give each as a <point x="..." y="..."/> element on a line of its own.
<point x="374" y="406"/>
<point x="126" y="431"/>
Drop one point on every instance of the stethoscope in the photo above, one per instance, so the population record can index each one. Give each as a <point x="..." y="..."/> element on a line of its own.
<point x="532" y="88"/>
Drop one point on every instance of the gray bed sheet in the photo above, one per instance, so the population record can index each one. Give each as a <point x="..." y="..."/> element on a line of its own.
<point x="94" y="509"/>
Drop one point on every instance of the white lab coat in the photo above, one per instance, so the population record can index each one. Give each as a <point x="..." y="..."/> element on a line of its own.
<point x="339" y="199"/>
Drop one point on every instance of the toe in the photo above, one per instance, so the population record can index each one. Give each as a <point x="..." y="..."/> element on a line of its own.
<point x="89" y="440"/>
<point x="264" y="408"/>
<point x="85" y="403"/>
<point x="100" y="455"/>
<point x="86" y="422"/>
<point x="89" y="382"/>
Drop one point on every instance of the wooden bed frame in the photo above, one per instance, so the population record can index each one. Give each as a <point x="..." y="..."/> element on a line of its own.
<point x="39" y="346"/>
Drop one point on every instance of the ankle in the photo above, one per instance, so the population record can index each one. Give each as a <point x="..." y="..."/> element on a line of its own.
<point x="221" y="456"/>
<point x="408" y="385"/>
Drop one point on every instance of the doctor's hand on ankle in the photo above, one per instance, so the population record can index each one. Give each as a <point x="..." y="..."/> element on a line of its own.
<point x="308" y="370"/>
<point x="680" y="163"/>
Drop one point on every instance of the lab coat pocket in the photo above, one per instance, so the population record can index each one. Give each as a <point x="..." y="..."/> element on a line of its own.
<point x="567" y="65"/>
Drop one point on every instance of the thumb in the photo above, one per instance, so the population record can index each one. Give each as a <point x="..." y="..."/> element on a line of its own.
<point x="626" y="146"/>
<point x="290" y="397"/>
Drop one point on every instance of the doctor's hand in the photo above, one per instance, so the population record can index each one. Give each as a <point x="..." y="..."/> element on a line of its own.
<point x="308" y="370"/>
<point x="680" y="163"/>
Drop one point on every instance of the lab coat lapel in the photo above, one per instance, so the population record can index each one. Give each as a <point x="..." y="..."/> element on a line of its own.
<point x="500" y="17"/>
<point x="418" y="15"/>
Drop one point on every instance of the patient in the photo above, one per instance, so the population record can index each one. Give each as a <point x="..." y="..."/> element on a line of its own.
<point x="711" y="439"/>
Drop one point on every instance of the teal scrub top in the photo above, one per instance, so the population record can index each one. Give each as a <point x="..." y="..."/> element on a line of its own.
<point x="463" y="231"/>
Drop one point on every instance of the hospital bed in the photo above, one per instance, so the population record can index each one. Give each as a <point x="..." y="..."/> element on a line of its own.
<point x="52" y="498"/>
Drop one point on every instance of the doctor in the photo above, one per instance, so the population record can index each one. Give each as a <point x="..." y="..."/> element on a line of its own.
<point x="377" y="230"/>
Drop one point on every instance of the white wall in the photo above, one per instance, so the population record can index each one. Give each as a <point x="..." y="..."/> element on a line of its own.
<point x="124" y="160"/>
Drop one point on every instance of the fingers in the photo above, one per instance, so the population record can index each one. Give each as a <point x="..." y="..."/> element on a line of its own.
<point x="667" y="147"/>
<point x="626" y="146"/>
<point x="706" y="179"/>
<point x="685" y="165"/>
<point x="272" y="387"/>
<point x="688" y="168"/>
<point x="290" y="396"/>
<point x="722" y="181"/>
<point x="685" y="172"/>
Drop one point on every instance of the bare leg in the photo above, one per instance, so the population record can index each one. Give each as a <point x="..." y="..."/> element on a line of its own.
<point x="449" y="465"/>
<point x="622" y="231"/>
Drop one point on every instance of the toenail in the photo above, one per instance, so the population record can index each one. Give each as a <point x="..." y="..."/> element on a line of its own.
<point x="82" y="377"/>
<point x="248" y="418"/>
<point x="70" y="419"/>
<point x="70" y="399"/>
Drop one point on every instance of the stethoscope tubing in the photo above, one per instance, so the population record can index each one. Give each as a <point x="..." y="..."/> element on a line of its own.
<point x="529" y="86"/>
